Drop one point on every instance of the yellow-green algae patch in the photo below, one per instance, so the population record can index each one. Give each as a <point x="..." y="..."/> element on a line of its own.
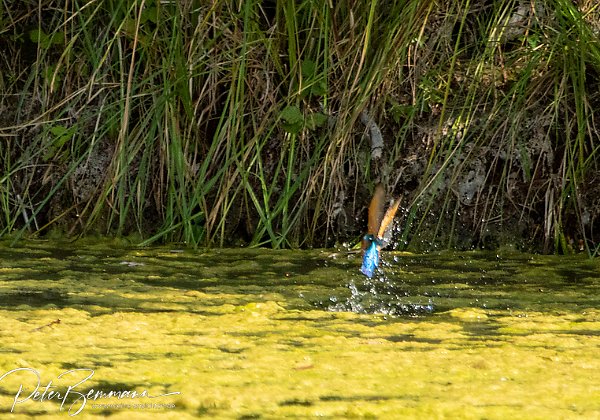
<point x="252" y="334"/>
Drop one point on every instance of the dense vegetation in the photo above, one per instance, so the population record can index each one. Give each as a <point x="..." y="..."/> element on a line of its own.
<point x="257" y="122"/>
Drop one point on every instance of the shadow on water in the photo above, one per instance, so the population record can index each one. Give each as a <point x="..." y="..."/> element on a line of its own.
<point x="34" y="298"/>
<point x="420" y="285"/>
<point x="112" y="279"/>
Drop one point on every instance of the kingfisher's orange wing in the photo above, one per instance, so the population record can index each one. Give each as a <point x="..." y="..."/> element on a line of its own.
<point x="376" y="209"/>
<point x="375" y="212"/>
<point x="388" y="218"/>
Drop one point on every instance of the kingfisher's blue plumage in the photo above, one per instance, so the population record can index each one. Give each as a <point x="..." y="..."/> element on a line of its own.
<point x="371" y="256"/>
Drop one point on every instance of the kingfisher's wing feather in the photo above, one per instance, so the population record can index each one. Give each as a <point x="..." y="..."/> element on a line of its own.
<point x="375" y="213"/>
<point x="388" y="218"/>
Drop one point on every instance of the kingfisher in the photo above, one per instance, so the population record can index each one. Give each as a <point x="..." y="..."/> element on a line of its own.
<point x="377" y="226"/>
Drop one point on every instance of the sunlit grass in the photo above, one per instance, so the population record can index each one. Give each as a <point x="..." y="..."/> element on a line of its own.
<point x="239" y="123"/>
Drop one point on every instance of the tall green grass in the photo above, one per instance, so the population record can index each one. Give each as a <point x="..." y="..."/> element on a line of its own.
<point x="238" y="123"/>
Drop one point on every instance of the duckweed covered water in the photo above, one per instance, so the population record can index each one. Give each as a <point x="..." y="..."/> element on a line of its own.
<point x="299" y="334"/>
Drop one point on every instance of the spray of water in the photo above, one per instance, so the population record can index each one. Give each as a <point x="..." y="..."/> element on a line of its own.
<point x="379" y="295"/>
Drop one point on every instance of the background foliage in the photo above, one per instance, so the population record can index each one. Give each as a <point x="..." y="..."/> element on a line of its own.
<point x="239" y="122"/>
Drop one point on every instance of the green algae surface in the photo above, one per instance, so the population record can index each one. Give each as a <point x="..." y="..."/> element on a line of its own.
<point x="101" y="331"/>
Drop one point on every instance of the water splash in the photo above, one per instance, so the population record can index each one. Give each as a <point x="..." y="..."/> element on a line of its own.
<point x="378" y="295"/>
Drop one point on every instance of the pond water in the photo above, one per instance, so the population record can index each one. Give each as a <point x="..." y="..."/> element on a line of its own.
<point x="99" y="330"/>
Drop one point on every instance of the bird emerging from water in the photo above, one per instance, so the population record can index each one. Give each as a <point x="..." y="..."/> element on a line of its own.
<point x="378" y="224"/>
